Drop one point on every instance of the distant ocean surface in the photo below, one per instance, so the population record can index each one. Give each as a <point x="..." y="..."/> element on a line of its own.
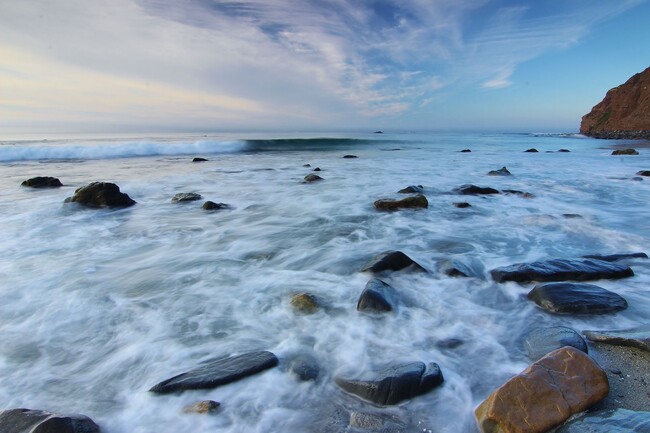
<point x="97" y="306"/>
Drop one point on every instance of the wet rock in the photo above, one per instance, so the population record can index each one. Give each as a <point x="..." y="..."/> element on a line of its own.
<point x="197" y="159"/>
<point x="503" y="171"/>
<point x="531" y="150"/>
<point x="609" y="421"/>
<point x="519" y="193"/>
<point x="42" y="182"/>
<point x="466" y="151"/>
<point x="412" y="189"/>
<point x="101" y="194"/>
<point x="391" y="261"/>
<point x="643" y="173"/>
<point x="317" y="169"/>
<point x="414" y="202"/>
<point x="576" y="298"/>
<point x="39" y="421"/>
<point x="202" y="407"/>
<point x="213" y="373"/>
<point x="312" y="178"/>
<point x="304" y="303"/>
<point x="449" y="343"/>
<point x="395" y="384"/>
<point x="462" y="205"/>
<point x="306" y="165"/>
<point x="350" y="156"/>
<point x="474" y="190"/>
<point x="637" y="337"/>
<point x="304" y="367"/>
<point x="547" y="393"/>
<point x="377" y="297"/>
<point x="210" y="205"/>
<point x="564" y="150"/>
<point x="541" y="341"/>
<point x="625" y="152"/>
<point x="467" y="268"/>
<point x="561" y="270"/>
<point x="571" y="215"/>
<point x="182" y="197"/>
<point x="616" y="257"/>
<point x="378" y="132"/>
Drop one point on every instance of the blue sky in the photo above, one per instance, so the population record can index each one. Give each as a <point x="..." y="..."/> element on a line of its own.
<point x="82" y="66"/>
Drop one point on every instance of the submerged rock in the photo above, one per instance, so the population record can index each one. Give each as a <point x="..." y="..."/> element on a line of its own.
<point x="564" y="150"/>
<point x="312" y="178"/>
<point x="519" y="193"/>
<point x="39" y="421"/>
<point x="547" y="393"/>
<point x="625" y="152"/>
<point x="462" y="205"/>
<point x="609" y="421"/>
<point x="377" y="297"/>
<point x="503" y="171"/>
<point x="350" y="156"/>
<point x="412" y="189"/>
<point x="532" y="150"/>
<point x="616" y="257"/>
<point x="182" y="197"/>
<point x="217" y="372"/>
<point x="466" y="151"/>
<point x="466" y="268"/>
<point x="577" y="298"/>
<point x="101" y="194"/>
<point x="415" y="202"/>
<point x="391" y="261"/>
<point x="317" y="169"/>
<point x="197" y="159"/>
<point x="304" y="303"/>
<point x="42" y="182"/>
<point x="201" y="407"/>
<point x="210" y="205"/>
<point x="541" y="341"/>
<point x="637" y="337"/>
<point x="561" y="270"/>
<point x="643" y="173"/>
<point x="474" y="190"/>
<point x="304" y="367"/>
<point x="395" y="384"/>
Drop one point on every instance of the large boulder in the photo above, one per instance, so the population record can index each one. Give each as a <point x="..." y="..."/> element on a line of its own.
<point x="42" y="182"/>
<point x="217" y="372"/>
<point x="474" y="190"/>
<point x="39" y="421"/>
<point x="637" y="337"/>
<point x="395" y="384"/>
<point x="101" y="194"/>
<point x="541" y="341"/>
<point x="391" y="261"/>
<point x="561" y="270"/>
<point x="544" y="395"/>
<point x="413" y="202"/>
<point x="377" y="297"/>
<point x="609" y="421"/>
<point x="576" y="298"/>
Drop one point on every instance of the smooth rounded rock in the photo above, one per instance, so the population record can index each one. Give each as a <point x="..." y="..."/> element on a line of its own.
<point x="541" y="341"/>
<point x="625" y="152"/>
<point x="576" y="298"/>
<point x="377" y="297"/>
<point x="39" y="421"/>
<point x="312" y="178"/>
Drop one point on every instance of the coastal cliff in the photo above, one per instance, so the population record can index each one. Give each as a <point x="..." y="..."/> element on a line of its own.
<point x="623" y="113"/>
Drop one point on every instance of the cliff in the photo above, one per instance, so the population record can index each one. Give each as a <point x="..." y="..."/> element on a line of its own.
<point x="624" y="113"/>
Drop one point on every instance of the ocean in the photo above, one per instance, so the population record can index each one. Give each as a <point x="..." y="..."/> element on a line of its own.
<point x="99" y="305"/>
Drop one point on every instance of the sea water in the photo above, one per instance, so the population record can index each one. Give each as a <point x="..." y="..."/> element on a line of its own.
<point x="98" y="305"/>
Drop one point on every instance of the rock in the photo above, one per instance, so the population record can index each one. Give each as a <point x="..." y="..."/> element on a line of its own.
<point x="39" y="421"/>
<point x="609" y="421"/>
<point x="547" y="393"/>
<point x="462" y="205"/>
<point x="201" y="407"/>
<point x="395" y="384"/>
<point x="199" y="160"/>
<point x="317" y="169"/>
<point x="304" y="303"/>
<point x="637" y="337"/>
<point x="643" y="173"/>
<point x="42" y="182"/>
<point x="576" y="298"/>
<point x="378" y="132"/>
<point x="561" y="270"/>
<point x="623" y="113"/>
<point x="412" y="189"/>
<point x="541" y="341"/>
<point x="625" y="152"/>
<point x="350" y="156"/>
<point x="449" y="343"/>
<point x="500" y="172"/>
<point x="210" y="205"/>
<point x="474" y="190"/>
<point x="519" y="193"/>
<point x="466" y="151"/>
<point x="414" y="202"/>
<point x="571" y="215"/>
<point x="304" y="367"/>
<point x="456" y="268"/>
<point x="564" y="150"/>
<point x="391" y="261"/>
<point x="217" y="372"/>
<point x="312" y="178"/>
<point x="182" y="197"/>
<point x="616" y="257"/>
<point x="101" y="194"/>
<point x="306" y="165"/>
<point x="377" y="297"/>
<point x="532" y="150"/>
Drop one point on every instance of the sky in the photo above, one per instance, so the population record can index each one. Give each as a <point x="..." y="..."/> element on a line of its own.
<point x="111" y="66"/>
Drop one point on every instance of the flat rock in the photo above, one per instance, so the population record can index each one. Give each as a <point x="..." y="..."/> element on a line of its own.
<point x="462" y="205"/>
<point x="350" y="156"/>
<point x="466" y="151"/>
<point x="412" y="189"/>
<point x="377" y="297"/>
<point x="544" y="395"/>
<point x="637" y="337"/>
<point x="616" y="257"/>
<point x="564" y="150"/>
<point x="217" y="372"/>
<point x="474" y="190"/>
<point x="202" y="407"/>
<point x="39" y="421"/>
<point x="561" y="270"/>
<point x="395" y="384"/>
<point x="643" y="173"/>
<point x="210" y="205"/>
<point x="414" y="202"/>
<point x="541" y="341"/>
<point x="183" y="197"/>
<point x="42" y="182"/>
<point x="198" y="159"/>
<point x="609" y="421"/>
<point x="100" y="194"/>
<point x="625" y="152"/>
<point x="503" y="171"/>
<point x="312" y="178"/>
<point x="576" y="298"/>
<point x="391" y="261"/>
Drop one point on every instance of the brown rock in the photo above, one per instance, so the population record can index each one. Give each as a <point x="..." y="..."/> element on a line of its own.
<point x="205" y="406"/>
<point x="625" y="152"/>
<point x="547" y="393"/>
<point x="418" y="201"/>
<point x="304" y="303"/>
<point x="312" y="178"/>
<point x="624" y="113"/>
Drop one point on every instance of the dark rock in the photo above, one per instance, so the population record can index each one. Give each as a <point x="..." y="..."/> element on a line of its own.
<point x="412" y="189"/>
<point x="306" y="165"/>
<point x="474" y="190"/>
<point x="465" y="151"/>
<point x="217" y="372"/>
<point x="199" y="160"/>
<point x="561" y="270"/>
<point x="350" y="156"/>
<point x="571" y="215"/>
<point x="456" y="268"/>
<point x="210" y="205"/>
<point x="317" y="169"/>
<point x="616" y="257"/>
<point x="182" y="197"/>
<point x="312" y="178"/>
<point x="609" y="421"/>
<point x="564" y="150"/>
<point x="42" y="182"/>
<point x="637" y="337"/>
<point x="462" y="205"/>
<point x="500" y="172"/>
<point x="625" y="152"/>
<point x="449" y="343"/>
<point x="576" y="298"/>
<point x="201" y="407"/>
<point x="377" y="297"/>
<point x="395" y="384"/>
<point x="519" y="193"/>
<point x="38" y="421"/>
<point x="414" y="202"/>
<point x="101" y="194"/>
<point x="541" y="341"/>
<point x="391" y="261"/>
<point x="378" y="132"/>
<point x="304" y="303"/>
<point x="532" y="150"/>
<point x="643" y="173"/>
<point x="304" y="367"/>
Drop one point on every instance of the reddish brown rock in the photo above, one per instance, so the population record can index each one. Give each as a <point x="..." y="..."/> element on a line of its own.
<point x="547" y="393"/>
<point x="624" y="113"/>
